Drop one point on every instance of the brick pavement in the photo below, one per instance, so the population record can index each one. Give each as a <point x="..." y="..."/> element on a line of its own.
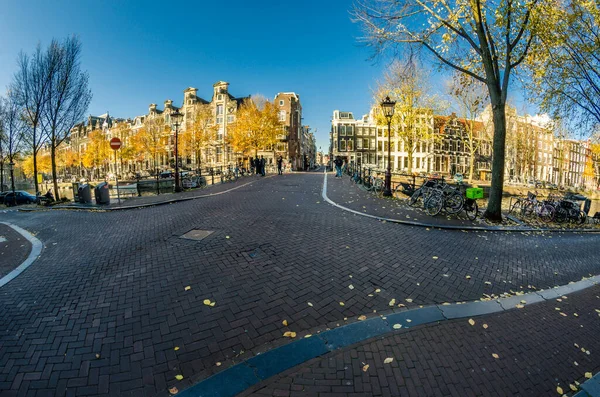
<point x="538" y="350"/>
<point x="14" y="249"/>
<point x="113" y="284"/>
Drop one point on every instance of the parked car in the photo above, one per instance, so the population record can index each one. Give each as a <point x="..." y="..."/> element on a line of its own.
<point x="20" y="196"/>
<point x="2" y="196"/>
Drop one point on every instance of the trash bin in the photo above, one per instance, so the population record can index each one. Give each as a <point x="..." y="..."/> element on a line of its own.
<point x="85" y="194"/>
<point x="102" y="194"/>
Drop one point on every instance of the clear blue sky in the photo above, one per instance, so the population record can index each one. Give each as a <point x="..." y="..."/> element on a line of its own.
<point x="148" y="51"/>
<point x="144" y="52"/>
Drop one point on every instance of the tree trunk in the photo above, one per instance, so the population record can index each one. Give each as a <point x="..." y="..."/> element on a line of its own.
<point x="53" y="160"/>
<point x="35" y="180"/>
<point x="410" y="160"/>
<point x="2" y="176"/>
<point x="494" y="208"/>
<point x="471" y="166"/>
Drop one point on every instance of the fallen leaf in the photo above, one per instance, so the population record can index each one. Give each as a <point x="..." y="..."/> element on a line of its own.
<point x="310" y="304"/>
<point x="341" y="303"/>
<point x="559" y="390"/>
<point x="289" y="334"/>
<point x="179" y="377"/>
<point x="488" y="283"/>
<point x="362" y="318"/>
<point x="218" y="363"/>
<point x="285" y="323"/>
<point x="471" y="321"/>
<point x="392" y="302"/>
<point x="176" y="348"/>
<point x="206" y="302"/>
<point x="572" y="387"/>
<point x="173" y="390"/>
<point x="212" y="304"/>
<point x="397" y="326"/>
<point x="576" y="315"/>
<point x="523" y="301"/>
<point x="307" y="335"/>
<point x="351" y="286"/>
<point x="485" y="326"/>
<point x="227" y="237"/>
<point x="576" y="363"/>
<point x="519" y="306"/>
<point x="365" y="368"/>
<point x="563" y="314"/>
<point x="378" y="291"/>
<point x="495" y="355"/>
<point x="468" y="277"/>
<point x="588" y="375"/>
<point x="187" y="288"/>
<point x="409" y="300"/>
<point x="408" y="320"/>
<point x="388" y="360"/>
<point x="435" y="257"/>
<point x="97" y="355"/>
<point x="557" y="308"/>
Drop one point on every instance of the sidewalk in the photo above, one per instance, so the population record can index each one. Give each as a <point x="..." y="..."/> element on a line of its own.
<point x="345" y="192"/>
<point x="145" y="201"/>
<point x="14" y="249"/>
<point x="544" y="349"/>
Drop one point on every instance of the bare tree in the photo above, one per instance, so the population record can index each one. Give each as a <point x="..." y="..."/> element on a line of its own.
<point x="11" y="136"/>
<point x="67" y="96"/>
<point x="486" y="40"/>
<point x="30" y="86"/>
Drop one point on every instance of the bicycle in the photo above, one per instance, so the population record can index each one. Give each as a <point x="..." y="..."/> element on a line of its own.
<point x="444" y="197"/>
<point x="376" y="184"/>
<point x="542" y="209"/>
<point x="422" y="192"/>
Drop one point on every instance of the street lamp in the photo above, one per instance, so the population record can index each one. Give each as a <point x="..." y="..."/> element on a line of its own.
<point x="388" y="107"/>
<point x="176" y="118"/>
<point x="11" y="167"/>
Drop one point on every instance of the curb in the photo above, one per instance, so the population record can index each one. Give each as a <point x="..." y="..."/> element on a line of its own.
<point x="450" y="227"/>
<point x="252" y="371"/>
<point x="131" y="207"/>
<point x="590" y="388"/>
<point x="36" y="249"/>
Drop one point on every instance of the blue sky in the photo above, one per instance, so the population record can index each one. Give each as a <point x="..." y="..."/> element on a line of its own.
<point x="142" y="52"/>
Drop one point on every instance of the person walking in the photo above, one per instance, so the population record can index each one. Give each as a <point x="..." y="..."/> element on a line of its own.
<point x="262" y="166"/>
<point x="338" y="167"/>
<point x="280" y="165"/>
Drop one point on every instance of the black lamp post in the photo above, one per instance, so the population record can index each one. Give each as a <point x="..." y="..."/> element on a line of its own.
<point x="176" y="118"/>
<point x="388" y="107"/>
<point x="11" y="167"/>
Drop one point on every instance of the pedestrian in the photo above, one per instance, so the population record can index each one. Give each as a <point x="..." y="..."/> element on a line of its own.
<point x="257" y="165"/>
<point x="262" y="166"/>
<point x="338" y="167"/>
<point x="280" y="165"/>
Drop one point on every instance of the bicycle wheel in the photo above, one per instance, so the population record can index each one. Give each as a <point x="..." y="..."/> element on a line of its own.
<point x="582" y="217"/>
<point x="414" y="198"/>
<point x="515" y="207"/>
<point x="546" y="213"/>
<point x="560" y="215"/>
<point x="527" y="210"/>
<point x="453" y="203"/>
<point x="471" y="209"/>
<point x="379" y="186"/>
<point x="434" y="204"/>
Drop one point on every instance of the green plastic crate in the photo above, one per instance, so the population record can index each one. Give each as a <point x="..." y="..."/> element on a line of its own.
<point x="474" y="193"/>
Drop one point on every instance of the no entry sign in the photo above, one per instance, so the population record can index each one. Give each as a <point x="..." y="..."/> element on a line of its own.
<point x="115" y="144"/>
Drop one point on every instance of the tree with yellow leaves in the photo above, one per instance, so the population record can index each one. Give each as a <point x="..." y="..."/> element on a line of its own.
<point x="412" y="123"/>
<point x="150" y="141"/>
<point x="256" y="126"/>
<point x="97" y="153"/>
<point x="199" y="133"/>
<point x="43" y="164"/>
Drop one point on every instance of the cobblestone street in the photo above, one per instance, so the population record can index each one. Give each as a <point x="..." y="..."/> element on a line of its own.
<point x="115" y="305"/>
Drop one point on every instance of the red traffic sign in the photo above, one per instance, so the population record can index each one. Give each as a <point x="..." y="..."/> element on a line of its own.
<point x="115" y="144"/>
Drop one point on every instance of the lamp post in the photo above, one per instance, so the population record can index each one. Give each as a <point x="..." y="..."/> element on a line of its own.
<point x="388" y="106"/>
<point x="11" y="167"/>
<point x="176" y="118"/>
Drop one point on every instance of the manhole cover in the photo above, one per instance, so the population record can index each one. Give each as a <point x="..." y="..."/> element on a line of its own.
<point x="197" y="235"/>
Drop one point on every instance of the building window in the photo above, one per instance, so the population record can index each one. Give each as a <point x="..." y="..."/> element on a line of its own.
<point x="219" y="110"/>
<point x="230" y="119"/>
<point x="342" y="130"/>
<point x="350" y="130"/>
<point x="219" y="120"/>
<point x="359" y="144"/>
<point x="282" y="115"/>
<point x="366" y="143"/>
<point x="219" y="97"/>
<point x="342" y="145"/>
<point x="350" y="145"/>
<point x="281" y="102"/>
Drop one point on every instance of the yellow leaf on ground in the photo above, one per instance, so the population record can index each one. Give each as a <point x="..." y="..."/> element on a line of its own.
<point x="488" y="283"/>
<point x="573" y="387"/>
<point x="378" y="291"/>
<point x="435" y="257"/>
<point x="173" y="390"/>
<point x="471" y="321"/>
<point x="307" y="335"/>
<point x="563" y="314"/>
<point x="408" y="320"/>
<point x="341" y="303"/>
<point x="289" y="334"/>
<point x="397" y="326"/>
<point x="206" y="302"/>
<point x="576" y="315"/>
<point x="187" y="288"/>
<point x="212" y="304"/>
<point x="310" y="304"/>
<point x="365" y="368"/>
<point x="468" y="277"/>
<point x="285" y="323"/>
<point x="179" y="377"/>
<point x="588" y="375"/>
<point x="351" y="286"/>
<point x="576" y="363"/>
<point x="362" y="318"/>
<point x="495" y="355"/>
<point x="392" y="302"/>
<point x="523" y="301"/>
<point x="485" y="326"/>
<point x="97" y="355"/>
<point x="388" y="360"/>
<point x="559" y="390"/>
<point x="409" y="300"/>
<point x="218" y="363"/>
<point x="226" y="237"/>
<point x="176" y="348"/>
